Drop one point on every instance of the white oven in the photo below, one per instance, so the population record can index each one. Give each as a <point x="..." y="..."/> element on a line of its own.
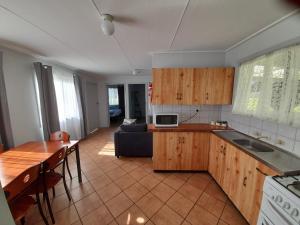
<point x="279" y="206"/>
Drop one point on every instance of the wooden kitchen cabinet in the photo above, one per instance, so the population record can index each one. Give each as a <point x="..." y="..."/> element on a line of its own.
<point x="172" y="86"/>
<point x="180" y="150"/>
<point x="192" y="86"/>
<point x="240" y="176"/>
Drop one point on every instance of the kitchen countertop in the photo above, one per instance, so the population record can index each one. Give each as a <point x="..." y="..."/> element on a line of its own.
<point x="280" y="160"/>
<point x="199" y="127"/>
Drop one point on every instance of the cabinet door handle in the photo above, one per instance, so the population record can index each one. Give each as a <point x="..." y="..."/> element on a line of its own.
<point x="262" y="172"/>
<point x="206" y="96"/>
<point x="177" y="96"/>
<point x="245" y="181"/>
<point x="224" y="151"/>
<point x="183" y="140"/>
<point x="181" y="96"/>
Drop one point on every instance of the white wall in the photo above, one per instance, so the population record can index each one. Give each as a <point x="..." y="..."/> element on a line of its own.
<point x="5" y="215"/>
<point x="21" y="96"/>
<point x="280" y="35"/>
<point x="19" y="80"/>
<point x="188" y="59"/>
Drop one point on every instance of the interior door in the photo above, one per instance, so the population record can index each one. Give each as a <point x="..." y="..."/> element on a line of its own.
<point x="137" y="102"/>
<point x="92" y="106"/>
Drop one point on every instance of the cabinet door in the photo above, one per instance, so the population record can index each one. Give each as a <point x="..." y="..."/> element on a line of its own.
<point x="219" y="85"/>
<point x="200" y="78"/>
<point x="157" y="86"/>
<point x="228" y="154"/>
<point x="200" y="151"/>
<point x="260" y="173"/>
<point x="184" y="86"/>
<point x="165" y="86"/>
<point x="215" y="158"/>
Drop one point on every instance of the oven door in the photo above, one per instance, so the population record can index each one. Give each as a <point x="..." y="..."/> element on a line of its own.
<point x="271" y="214"/>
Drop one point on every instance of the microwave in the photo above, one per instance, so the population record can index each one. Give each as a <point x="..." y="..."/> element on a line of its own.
<point x="166" y="119"/>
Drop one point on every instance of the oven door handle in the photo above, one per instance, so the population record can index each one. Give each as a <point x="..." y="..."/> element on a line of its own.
<point x="279" y="213"/>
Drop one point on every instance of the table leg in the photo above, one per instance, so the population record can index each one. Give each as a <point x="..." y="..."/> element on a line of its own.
<point x="78" y="163"/>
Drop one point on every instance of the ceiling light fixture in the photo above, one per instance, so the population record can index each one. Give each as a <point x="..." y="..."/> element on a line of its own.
<point x="107" y="25"/>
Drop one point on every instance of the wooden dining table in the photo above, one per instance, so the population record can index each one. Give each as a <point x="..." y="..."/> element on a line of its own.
<point x="16" y="160"/>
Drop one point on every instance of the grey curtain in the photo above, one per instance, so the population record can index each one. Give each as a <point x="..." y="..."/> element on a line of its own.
<point x="47" y="96"/>
<point x="6" y="136"/>
<point x="78" y="82"/>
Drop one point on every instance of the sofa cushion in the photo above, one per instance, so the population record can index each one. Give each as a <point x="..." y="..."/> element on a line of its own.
<point x="134" y="127"/>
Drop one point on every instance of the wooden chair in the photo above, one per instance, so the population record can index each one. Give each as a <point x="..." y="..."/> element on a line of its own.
<point x="63" y="136"/>
<point x="18" y="199"/>
<point x="50" y="178"/>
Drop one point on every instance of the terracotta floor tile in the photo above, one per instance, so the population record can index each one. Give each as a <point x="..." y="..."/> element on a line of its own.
<point x="60" y="202"/>
<point x="116" y="173"/>
<point x="184" y="176"/>
<point x="180" y="204"/>
<point x="132" y="216"/>
<point x="186" y="223"/>
<point x="199" y="216"/>
<point x="149" y="182"/>
<point x="92" y="174"/>
<point x="113" y="223"/>
<point x="100" y="182"/>
<point x="108" y="192"/>
<point x="150" y="223"/>
<point x="81" y="191"/>
<point x="163" y="192"/>
<point x="149" y="204"/>
<point x="166" y="216"/>
<point x="211" y="204"/>
<point x="118" y="204"/>
<point x="74" y="182"/>
<point x="232" y="216"/>
<point x="67" y="216"/>
<point x="199" y="182"/>
<point x="221" y="222"/>
<point x="88" y="204"/>
<point x="77" y="223"/>
<point x="125" y="181"/>
<point x="214" y="190"/>
<point x="138" y="173"/>
<point x="174" y="182"/>
<point x="128" y="167"/>
<point x="136" y="192"/>
<point x="191" y="192"/>
<point x="160" y="176"/>
<point x="98" y="216"/>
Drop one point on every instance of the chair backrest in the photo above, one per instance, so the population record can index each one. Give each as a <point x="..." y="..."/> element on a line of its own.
<point x="60" y="136"/>
<point x="20" y="183"/>
<point x="54" y="160"/>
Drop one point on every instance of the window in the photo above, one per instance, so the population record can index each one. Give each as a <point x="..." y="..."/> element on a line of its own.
<point x="68" y="112"/>
<point x="269" y="87"/>
<point x="113" y="96"/>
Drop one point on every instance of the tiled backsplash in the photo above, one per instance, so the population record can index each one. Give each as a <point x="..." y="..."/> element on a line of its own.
<point x="206" y="113"/>
<point x="276" y="133"/>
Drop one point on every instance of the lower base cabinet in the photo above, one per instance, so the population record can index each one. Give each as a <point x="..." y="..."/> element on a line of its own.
<point x="180" y="150"/>
<point x="240" y="176"/>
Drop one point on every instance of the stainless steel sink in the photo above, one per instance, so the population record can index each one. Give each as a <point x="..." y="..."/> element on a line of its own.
<point x="253" y="145"/>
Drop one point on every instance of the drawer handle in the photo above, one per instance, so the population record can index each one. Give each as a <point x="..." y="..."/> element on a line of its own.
<point x="261" y="172"/>
<point x="245" y="181"/>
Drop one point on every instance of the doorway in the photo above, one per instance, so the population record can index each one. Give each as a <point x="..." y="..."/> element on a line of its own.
<point x="116" y="104"/>
<point x="137" y="102"/>
<point x="92" y="106"/>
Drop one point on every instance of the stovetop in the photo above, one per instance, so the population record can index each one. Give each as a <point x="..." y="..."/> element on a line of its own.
<point x="292" y="183"/>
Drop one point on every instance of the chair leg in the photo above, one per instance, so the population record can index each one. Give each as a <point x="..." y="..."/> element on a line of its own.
<point x="67" y="162"/>
<point x="40" y="209"/>
<point x="53" y="192"/>
<point x="49" y="207"/>
<point x="64" y="181"/>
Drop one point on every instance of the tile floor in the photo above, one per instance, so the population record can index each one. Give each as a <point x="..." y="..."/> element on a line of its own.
<point x="126" y="191"/>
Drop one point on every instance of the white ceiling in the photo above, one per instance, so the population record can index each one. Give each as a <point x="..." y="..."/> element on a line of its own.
<point x="68" y="32"/>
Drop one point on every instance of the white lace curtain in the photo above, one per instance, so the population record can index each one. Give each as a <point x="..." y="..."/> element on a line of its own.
<point x="269" y="87"/>
<point x="68" y="112"/>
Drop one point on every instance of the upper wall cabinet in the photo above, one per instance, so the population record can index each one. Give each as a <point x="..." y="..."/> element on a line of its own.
<point x="192" y="86"/>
